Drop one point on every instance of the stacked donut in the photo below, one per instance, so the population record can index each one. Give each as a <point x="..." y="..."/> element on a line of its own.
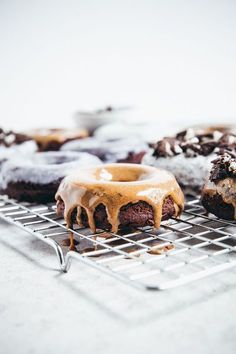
<point x="189" y="156"/>
<point x="219" y="192"/>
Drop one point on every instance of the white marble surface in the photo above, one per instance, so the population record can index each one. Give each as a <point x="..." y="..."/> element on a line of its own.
<point x="85" y="311"/>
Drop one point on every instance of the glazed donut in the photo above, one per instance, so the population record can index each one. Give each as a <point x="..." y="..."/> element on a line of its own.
<point x="119" y="195"/>
<point x="36" y="177"/>
<point x="124" y="150"/>
<point x="219" y="192"/>
<point x="53" y="139"/>
<point x="188" y="156"/>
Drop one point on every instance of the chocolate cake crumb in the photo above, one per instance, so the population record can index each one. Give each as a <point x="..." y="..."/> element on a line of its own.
<point x="139" y="214"/>
<point x="215" y="204"/>
<point x="31" y="192"/>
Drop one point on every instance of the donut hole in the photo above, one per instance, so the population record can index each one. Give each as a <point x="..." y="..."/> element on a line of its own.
<point x="51" y="158"/>
<point x="117" y="174"/>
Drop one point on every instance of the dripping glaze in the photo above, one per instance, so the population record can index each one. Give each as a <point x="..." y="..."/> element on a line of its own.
<point x="114" y="186"/>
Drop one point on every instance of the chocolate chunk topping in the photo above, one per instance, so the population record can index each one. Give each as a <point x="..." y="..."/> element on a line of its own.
<point x="191" y="144"/>
<point x="167" y="147"/>
<point x="224" y="166"/>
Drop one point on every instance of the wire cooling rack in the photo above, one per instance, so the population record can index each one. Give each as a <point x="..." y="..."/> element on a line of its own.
<point x="181" y="250"/>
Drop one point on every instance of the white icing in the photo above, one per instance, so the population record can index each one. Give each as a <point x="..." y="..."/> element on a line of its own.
<point x="80" y="144"/>
<point x="191" y="172"/>
<point x="26" y="147"/>
<point x="193" y="140"/>
<point x="44" y="167"/>
<point x="7" y="153"/>
<point x="111" y="151"/>
<point x="232" y="139"/>
<point x="168" y="149"/>
<point x="190" y="133"/>
<point x="177" y="149"/>
<point x="232" y="167"/>
<point x="217" y="135"/>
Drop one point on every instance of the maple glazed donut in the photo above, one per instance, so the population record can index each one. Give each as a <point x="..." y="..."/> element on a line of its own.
<point x="52" y="139"/>
<point x="115" y="196"/>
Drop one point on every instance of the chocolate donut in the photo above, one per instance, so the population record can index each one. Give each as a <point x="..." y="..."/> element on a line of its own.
<point x="188" y="156"/>
<point x="219" y="192"/>
<point x="124" y="150"/>
<point x="36" y="177"/>
<point x="115" y="196"/>
<point x="53" y="139"/>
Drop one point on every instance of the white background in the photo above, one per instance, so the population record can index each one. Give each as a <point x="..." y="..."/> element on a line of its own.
<point x="173" y="60"/>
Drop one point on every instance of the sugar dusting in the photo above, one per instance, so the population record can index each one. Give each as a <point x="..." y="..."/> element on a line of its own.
<point x="191" y="172"/>
<point x="44" y="167"/>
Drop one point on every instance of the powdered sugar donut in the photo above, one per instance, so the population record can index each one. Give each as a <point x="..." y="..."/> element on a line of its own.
<point x="119" y="150"/>
<point x="37" y="177"/>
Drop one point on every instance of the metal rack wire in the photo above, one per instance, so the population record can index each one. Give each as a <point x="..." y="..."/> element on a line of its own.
<point x="182" y="250"/>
